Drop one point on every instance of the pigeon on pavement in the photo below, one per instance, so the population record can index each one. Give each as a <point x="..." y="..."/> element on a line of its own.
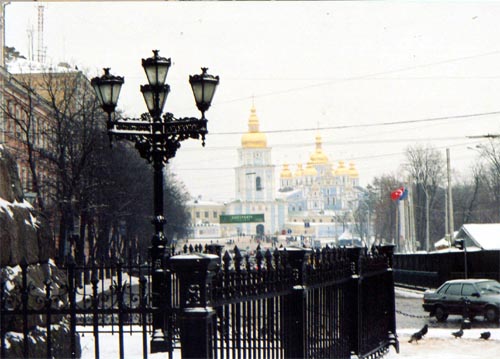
<point x="485" y="335"/>
<point x="415" y="337"/>
<point x="424" y="330"/>
<point x="458" y="334"/>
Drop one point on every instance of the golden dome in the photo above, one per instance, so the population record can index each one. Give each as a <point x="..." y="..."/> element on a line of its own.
<point x="318" y="157"/>
<point x="310" y="170"/>
<point x="285" y="173"/>
<point x="353" y="172"/>
<point x="300" y="171"/>
<point x="341" y="169"/>
<point x="253" y="138"/>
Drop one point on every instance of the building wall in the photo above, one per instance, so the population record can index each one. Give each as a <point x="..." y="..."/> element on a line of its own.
<point x="20" y="106"/>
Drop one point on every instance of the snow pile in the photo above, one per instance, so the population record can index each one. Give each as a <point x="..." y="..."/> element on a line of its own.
<point x="6" y="207"/>
<point x="24" y="66"/>
<point x="408" y="293"/>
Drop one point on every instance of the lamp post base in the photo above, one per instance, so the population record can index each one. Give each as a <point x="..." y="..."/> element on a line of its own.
<point x="160" y="343"/>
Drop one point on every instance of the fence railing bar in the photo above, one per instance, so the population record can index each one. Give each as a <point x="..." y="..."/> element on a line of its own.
<point x="3" y="329"/>
<point x="119" y="298"/>
<point x="48" y="305"/>
<point x="72" y="303"/>
<point x="24" y="298"/>
<point x="143" y="313"/>
<point x="94" y="280"/>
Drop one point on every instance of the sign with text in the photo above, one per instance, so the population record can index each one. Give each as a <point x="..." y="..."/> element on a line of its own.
<point x="241" y="218"/>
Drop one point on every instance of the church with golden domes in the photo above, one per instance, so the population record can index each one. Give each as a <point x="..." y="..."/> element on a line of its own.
<point x="318" y="192"/>
<point x="320" y="187"/>
<point x="255" y="184"/>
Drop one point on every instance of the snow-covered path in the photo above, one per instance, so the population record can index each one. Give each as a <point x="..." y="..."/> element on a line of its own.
<point x="440" y="344"/>
<point x="437" y="344"/>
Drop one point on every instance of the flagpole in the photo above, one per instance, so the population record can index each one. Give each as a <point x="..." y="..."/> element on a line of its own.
<point x="411" y="216"/>
<point x="397" y="228"/>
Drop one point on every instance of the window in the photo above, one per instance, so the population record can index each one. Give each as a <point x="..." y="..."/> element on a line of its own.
<point x="258" y="184"/>
<point x="206" y="214"/>
<point x="34" y="131"/>
<point x="197" y="214"/>
<point x="454" y="289"/>
<point x="215" y="214"/>
<point x="468" y="290"/>
<point x="24" y="177"/>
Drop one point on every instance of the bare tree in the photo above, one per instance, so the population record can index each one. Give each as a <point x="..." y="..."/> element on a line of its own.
<point x="100" y="199"/>
<point x="467" y="197"/>
<point x="384" y="208"/>
<point x="76" y="122"/>
<point x="27" y="115"/>
<point x="426" y="168"/>
<point x="491" y="176"/>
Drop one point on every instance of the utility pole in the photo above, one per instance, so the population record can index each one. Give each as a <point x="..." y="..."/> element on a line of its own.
<point x="427" y="220"/>
<point x="446" y="220"/>
<point x="451" y="224"/>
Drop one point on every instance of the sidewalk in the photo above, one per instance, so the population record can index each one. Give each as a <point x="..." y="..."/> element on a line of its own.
<point x="440" y="344"/>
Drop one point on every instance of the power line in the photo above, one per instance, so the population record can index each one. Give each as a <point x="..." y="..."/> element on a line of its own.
<point x="358" y="158"/>
<point x="334" y="143"/>
<point x="390" y="123"/>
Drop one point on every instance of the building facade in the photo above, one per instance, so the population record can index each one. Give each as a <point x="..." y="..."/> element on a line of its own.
<point x="320" y="196"/>
<point x="204" y="218"/>
<point x="255" y="186"/>
<point x="25" y="123"/>
<point x="316" y="199"/>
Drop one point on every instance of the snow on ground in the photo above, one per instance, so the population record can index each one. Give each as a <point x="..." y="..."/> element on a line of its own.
<point x="408" y="293"/>
<point x="437" y="344"/>
<point x="109" y="347"/>
<point x="440" y="344"/>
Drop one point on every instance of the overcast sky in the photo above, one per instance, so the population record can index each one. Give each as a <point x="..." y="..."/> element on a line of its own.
<point x="345" y="70"/>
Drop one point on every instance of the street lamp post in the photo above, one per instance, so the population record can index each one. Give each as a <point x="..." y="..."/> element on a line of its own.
<point x="157" y="138"/>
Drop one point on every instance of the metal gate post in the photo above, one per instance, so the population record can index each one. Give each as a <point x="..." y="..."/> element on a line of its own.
<point x="295" y="306"/>
<point x="354" y="301"/>
<point x="195" y="272"/>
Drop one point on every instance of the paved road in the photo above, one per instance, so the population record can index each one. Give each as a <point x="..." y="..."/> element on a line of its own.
<point x="439" y="343"/>
<point x="410" y="314"/>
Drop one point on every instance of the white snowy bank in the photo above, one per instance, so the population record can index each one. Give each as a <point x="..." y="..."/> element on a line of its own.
<point x="440" y="344"/>
<point x="437" y="344"/>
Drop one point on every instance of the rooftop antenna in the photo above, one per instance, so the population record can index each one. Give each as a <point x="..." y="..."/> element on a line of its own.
<point x="31" y="54"/>
<point x="3" y="4"/>
<point x="40" y="46"/>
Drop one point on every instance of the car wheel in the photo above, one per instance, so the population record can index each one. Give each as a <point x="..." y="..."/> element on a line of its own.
<point x="491" y="314"/>
<point x="440" y="314"/>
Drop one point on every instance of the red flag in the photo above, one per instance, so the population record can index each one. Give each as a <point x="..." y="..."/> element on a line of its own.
<point x="396" y="194"/>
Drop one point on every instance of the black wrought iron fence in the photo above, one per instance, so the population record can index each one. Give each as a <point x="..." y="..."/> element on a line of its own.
<point x="290" y="303"/>
<point x="94" y="299"/>
<point x="285" y="303"/>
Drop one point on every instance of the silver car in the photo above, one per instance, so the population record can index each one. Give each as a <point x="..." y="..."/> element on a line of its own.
<point x="468" y="297"/>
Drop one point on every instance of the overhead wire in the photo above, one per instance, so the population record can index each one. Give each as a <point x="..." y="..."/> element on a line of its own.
<point x="364" y="125"/>
<point x="358" y="158"/>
